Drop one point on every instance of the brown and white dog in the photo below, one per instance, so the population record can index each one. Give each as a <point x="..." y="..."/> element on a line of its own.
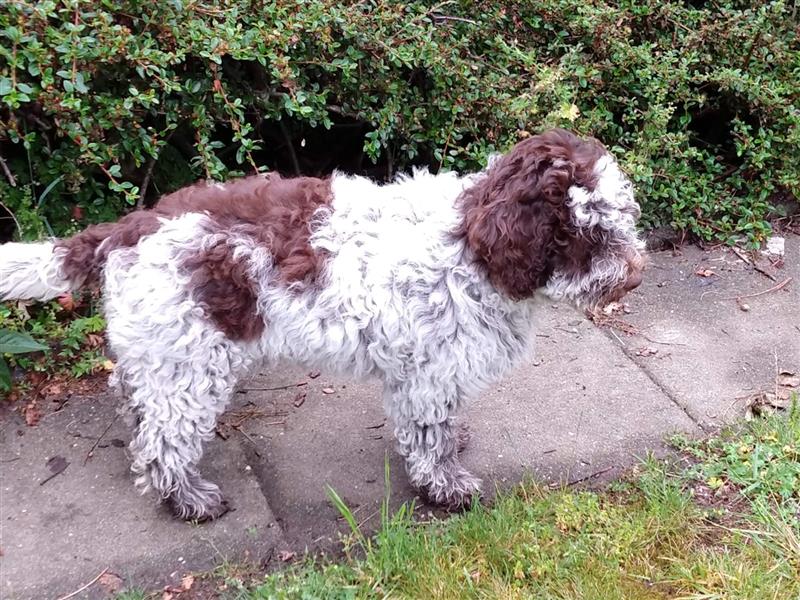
<point x="429" y="283"/>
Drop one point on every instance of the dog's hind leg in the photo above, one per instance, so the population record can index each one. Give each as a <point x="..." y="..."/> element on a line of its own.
<point x="176" y="404"/>
<point x="429" y="439"/>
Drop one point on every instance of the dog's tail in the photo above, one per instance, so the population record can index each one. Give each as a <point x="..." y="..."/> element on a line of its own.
<point x="33" y="272"/>
<point x="45" y="270"/>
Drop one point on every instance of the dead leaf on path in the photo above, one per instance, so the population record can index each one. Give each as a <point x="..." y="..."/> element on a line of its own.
<point x="788" y="379"/>
<point x="108" y="365"/>
<point x="313" y="374"/>
<point x="187" y="581"/>
<point x="647" y="351"/>
<point x="286" y="555"/>
<point x="32" y="413"/>
<point x="110" y="582"/>
<point x="612" y="308"/>
<point x="57" y="464"/>
<point x="703" y="272"/>
<point x="328" y="390"/>
<point x="52" y="389"/>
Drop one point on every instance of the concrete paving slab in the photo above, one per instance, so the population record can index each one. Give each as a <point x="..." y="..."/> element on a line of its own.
<point x="705" y="348"/>
<point x="58" y="534"/>
<point x="578" y="408"/>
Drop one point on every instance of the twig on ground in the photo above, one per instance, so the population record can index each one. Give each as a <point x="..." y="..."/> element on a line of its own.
<point x="752" y="263"/>
<point x="274" y="389"/>
<point x="616" y="323"/>
<point x="774" y="288"/>
<point x="46" y="479"/>
<point x="249" y="439"/>
<point x="90" y="453"/>
<point x="85" y="587"/>
<point x="582" y="479"/>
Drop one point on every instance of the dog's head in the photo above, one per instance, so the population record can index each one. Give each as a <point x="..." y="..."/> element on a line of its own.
<point x="556" y="214"/>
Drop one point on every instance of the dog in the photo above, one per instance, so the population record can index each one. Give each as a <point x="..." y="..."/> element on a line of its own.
<point x="429" y="282"/>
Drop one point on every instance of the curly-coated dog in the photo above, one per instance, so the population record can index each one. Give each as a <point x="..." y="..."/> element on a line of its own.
<point x="428" y="282"/>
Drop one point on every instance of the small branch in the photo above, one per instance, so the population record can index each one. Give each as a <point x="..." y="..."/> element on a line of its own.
<point x="46" y="479"/>
<point x="249" y="439"/>
<point x="146" y="181"/>
<point x="774" y="288"/>
<point x="8" y="210"/>
<point x="275" y="389"/>
<point x="97" y="441"/>
<point x="745" y="259"/>
<point x="7" y="171"/>
<point x="87" y="586"/>
<point x="582" y="479"/>
<point x="292" y="153"/>
<point x="437" y="17"/>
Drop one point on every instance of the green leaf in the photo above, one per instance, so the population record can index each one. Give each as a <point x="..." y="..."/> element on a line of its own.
<point x="15" y="342"/>
<point x="5" y="375"/>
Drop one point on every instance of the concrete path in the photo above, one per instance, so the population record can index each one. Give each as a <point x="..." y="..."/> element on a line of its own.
<point x="682" y="354"/>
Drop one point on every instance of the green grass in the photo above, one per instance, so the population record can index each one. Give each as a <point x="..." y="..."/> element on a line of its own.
<point x="721" y="523"/>
<point x="723" y="527"/>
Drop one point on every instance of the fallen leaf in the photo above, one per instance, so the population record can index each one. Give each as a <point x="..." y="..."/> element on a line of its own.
<point x="704" y="272"/>
<point x="32" y="413"/>
<point x="328" y="390"/>
<point x="647" y="351"/>
<point x="788" y="379"/>
<point x="111" y="583"/>
<point x="108" y="365"/>
<point x="313" y="375"/>
<point x="299" y="399"/>
<point x="187" y="581"/>
<point x="53" y="389"/>
<point x="286" y="555"/>
<point x="67" y="301"/>
<point x="57" y="464"/>
<point x="117" y="443"/>
<point x="94" y="340"/>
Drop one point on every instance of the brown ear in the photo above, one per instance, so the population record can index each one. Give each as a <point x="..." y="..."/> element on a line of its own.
<point x="514" y="215"/>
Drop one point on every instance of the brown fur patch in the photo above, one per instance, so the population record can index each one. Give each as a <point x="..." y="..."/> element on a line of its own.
<point x="273" y="211"/>
<point x="515" y="218"/>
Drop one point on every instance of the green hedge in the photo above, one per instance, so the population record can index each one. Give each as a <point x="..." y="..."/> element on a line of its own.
<point x="106" y="103"/>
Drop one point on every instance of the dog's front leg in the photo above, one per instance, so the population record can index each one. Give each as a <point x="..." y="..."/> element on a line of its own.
<point x="429" y="440"/>
<point x="432" y="463"/>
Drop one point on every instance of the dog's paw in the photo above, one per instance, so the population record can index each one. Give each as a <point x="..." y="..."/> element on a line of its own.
<point x="199" y="513"/>
<point x="458" y="491"/>
<point x="213" y="513"/>
<point x="199" y="503"/>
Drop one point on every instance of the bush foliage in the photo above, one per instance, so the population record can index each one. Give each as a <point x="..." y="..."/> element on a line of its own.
<point x="105" y="104"/>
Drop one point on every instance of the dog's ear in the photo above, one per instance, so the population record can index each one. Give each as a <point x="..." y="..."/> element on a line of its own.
<point x="515" y="216"/>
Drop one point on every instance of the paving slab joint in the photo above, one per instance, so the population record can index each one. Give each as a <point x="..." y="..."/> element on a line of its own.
<point x="664" y="390"/>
